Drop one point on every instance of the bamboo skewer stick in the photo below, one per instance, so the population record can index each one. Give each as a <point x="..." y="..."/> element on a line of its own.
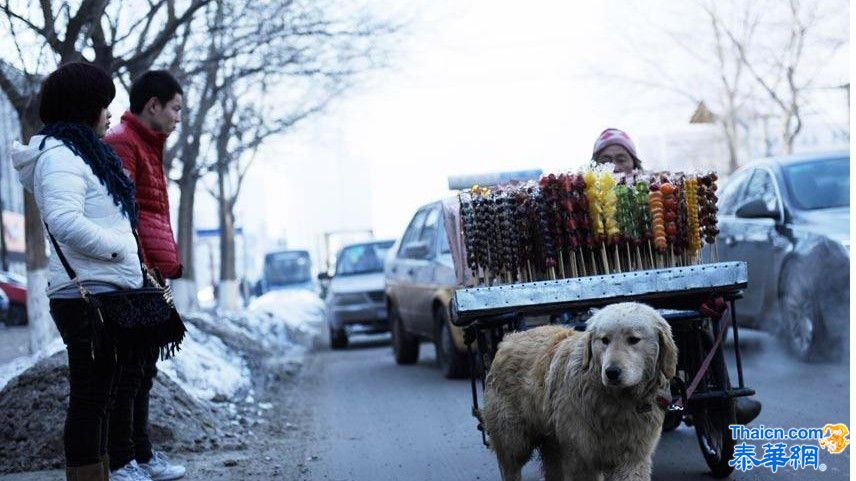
<point x="561" y="265"/>
<point x="594" y="269"/>
<point x="604" y="257"/>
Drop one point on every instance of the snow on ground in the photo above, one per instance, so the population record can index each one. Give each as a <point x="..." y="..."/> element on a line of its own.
<point x="209" y="368"/>
<point x="294" y="314"/>
<point x="206" y="368"/>
<point x="18" y="365"/>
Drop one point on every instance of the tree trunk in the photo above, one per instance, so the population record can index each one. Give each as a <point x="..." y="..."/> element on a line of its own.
<point x="228" y="287"/>
<point x="184" y="289"/>
<point x="40" y="323"/>
<point x="730" y="130"/>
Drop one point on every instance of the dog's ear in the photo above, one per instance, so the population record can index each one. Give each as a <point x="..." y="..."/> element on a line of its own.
<point x="668" y="358"/>
<point x="586" y="351"/>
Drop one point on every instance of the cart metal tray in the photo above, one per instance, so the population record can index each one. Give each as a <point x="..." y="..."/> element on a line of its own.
<point x="672" y="286"/>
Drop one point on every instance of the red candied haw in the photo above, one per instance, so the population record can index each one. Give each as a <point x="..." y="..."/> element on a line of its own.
<point x="667" y="189"/>
<point x="671" y="229"/>
<point x="670" y="216"/>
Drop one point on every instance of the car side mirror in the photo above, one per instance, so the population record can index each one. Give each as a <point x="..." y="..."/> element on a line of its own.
<point x="756" y="209"/>
<point x="417" y="250"/>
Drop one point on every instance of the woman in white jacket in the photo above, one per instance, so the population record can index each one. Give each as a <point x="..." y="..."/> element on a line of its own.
<point x="87" y="203"/>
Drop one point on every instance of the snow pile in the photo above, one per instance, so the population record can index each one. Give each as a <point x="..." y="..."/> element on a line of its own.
<point x="206" y="368"/>
<point x="18" y="365"/>
<point x="33" y="407"/>
<point x="297" y="315"/>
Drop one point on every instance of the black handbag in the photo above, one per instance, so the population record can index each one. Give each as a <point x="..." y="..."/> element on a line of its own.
<point x="141" y="318"/>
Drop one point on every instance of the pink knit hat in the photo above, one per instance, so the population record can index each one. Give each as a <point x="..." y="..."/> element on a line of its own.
<point x="614" y="137"/>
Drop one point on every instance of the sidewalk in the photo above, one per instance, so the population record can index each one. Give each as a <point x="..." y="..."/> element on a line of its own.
<point x="14" y="342"/>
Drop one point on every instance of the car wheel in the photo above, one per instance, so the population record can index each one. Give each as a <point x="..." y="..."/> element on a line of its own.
<point x="338" y="338"/>
<point x="405" y="346"/>
<point x="17" y="315"/>
<point x="801" y="324"/>
<point x="454" y="364"/>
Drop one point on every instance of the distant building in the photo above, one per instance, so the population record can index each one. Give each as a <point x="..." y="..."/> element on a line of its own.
<point x="11" y="192"/>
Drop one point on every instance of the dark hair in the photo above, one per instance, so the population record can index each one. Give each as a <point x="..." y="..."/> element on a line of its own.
<point x="75" y="92"/>
<point x="159" y="84"/>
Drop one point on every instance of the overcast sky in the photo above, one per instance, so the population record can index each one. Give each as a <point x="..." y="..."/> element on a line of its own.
<point x="476" y="86"/>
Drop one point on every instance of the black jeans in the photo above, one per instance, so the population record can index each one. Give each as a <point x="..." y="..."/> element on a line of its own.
<point x="91" y="367"/>
<point x="129" y="415"/>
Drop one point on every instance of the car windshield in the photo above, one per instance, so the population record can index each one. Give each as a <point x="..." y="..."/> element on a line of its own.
<point x="819" y="184"/>
<point x="284" y="268"/>
<point x="362" y="259"/>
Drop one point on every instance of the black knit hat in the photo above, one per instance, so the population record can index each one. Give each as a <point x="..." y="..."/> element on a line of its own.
<point x="75" y="92"/>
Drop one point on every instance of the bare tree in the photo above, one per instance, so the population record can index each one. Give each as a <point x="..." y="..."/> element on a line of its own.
<point x="753" y="63"/>
<point x="779" y="69"/>
<point x="304" y="52"/>
<point x="122" y="38"/>
<point x="733" y="92"/>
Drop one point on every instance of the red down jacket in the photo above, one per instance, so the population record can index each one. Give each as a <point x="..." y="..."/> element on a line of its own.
<point x="141" y="150"/>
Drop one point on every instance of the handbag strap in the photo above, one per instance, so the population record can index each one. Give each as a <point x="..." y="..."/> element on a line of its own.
<point x="73" y="275"/>
<point x="68" y="269"/>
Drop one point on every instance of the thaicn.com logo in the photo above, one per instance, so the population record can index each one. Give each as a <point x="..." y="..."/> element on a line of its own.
<point x="783" y="448"/>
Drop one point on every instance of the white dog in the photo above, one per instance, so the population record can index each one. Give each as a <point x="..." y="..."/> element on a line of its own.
<point x="590" y="402"/>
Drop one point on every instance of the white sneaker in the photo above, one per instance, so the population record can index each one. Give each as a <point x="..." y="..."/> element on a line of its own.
<point x="131" y="472"/>
<point x="159" y="469"/>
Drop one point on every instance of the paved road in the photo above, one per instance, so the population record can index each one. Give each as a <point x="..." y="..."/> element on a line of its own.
<point x="373" y="420"/>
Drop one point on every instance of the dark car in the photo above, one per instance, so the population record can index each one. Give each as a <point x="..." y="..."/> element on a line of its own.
<point x="789" y="219"/>
<point x="288" y="269"/>
<point x="15" y="288"/>
<point x="420" y="278"/>
<point x="355" y="297"/>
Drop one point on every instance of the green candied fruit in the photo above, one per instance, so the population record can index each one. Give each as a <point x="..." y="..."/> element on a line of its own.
<point x="626" y="211"/>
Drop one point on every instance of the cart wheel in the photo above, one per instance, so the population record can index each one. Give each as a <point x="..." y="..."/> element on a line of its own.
<point x="712" y="418"/>
<point x="714" y="437"/>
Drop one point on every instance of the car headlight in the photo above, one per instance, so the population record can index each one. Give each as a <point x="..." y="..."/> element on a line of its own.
<point x="348" y="299"/>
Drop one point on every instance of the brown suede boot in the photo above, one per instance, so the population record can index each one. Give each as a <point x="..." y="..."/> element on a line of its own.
<point x="105" y="464"/>
<point x="91" y="472"/>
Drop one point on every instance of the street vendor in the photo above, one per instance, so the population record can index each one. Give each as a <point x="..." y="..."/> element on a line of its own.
<point x="614" y="146"/>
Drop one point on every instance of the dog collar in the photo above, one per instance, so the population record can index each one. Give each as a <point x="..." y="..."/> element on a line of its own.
<point x="661" y="402"/>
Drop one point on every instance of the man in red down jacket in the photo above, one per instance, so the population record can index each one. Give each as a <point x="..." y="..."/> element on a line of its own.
<point x="139" y="140"/>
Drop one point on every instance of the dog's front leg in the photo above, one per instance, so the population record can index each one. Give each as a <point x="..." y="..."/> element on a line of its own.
<point x="574" y="469"/>
<point x="510" y="471"/>
<point x="633" y="472"/>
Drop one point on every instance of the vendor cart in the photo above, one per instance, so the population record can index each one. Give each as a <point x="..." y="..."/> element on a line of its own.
<point x="702" y="391"/>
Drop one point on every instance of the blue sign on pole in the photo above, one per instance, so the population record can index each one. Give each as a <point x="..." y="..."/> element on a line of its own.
<point x="216" y="232"/>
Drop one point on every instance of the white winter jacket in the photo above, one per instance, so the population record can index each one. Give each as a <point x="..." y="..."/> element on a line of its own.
<point x="91" y="229"/>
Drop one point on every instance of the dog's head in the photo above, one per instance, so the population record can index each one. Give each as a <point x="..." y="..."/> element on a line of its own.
<point x="631" y="344"/>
